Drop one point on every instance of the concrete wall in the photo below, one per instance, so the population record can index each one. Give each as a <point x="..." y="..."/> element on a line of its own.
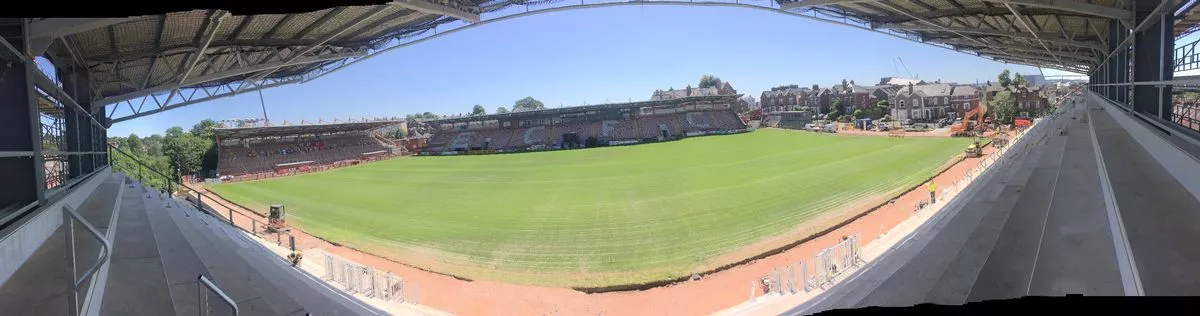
<point x="20" y="241"/>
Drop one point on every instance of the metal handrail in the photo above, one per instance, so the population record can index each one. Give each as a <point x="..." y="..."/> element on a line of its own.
<point x="202" y="281"/>
<point x="70" y="216"/>
<point x="199" y="202"/>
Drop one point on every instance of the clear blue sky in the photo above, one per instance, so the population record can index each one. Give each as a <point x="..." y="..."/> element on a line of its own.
<point x="593" y="56"/>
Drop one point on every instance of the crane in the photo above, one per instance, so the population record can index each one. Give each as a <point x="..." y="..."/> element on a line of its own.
<point x="909" y="73"/>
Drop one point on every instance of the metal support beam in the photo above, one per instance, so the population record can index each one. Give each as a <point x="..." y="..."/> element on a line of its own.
<point x="218" y="17"/>
<point x="1111" y="68"/>
<point x="1153" y="49"/>
<point x="1149" y="20"/>
<point x="226" y="74"/>
<point x="449" y="8"/>
<point x="1051" y="39"/>
<point x="230" y="91"/>
<point x="327" y="38"/>
<point x="1064" y="5"/>
<point x="1032" y="31"/>
<point x="23" y="179"/>
<point x="930" y="22"/>
<point x="1073" y="6"/>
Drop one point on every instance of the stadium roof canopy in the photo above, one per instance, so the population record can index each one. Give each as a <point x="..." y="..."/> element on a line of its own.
<point x="152" y="63"/>
<point x="287" y="130"/>
<point x="584" y="108"/>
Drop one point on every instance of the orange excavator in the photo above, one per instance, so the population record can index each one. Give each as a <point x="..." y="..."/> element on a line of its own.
<point x="972" y="121"/>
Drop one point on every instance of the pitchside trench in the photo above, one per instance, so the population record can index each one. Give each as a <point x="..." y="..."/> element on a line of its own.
<point x="603" y="216"/>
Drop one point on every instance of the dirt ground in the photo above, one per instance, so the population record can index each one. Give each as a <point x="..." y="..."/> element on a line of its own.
<point x="710" y="294"/>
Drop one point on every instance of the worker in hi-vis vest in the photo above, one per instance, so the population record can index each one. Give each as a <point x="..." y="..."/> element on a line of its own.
<point x="932" y="191"/>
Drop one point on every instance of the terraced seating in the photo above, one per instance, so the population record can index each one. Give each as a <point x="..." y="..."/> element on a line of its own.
<point x="583" y="129"/>
<point x="697" y="120"/>
<point x="533" y="135"/>
<point x="726" y="120"/>
<point x="264" y="156"/>
<point x="618" y="130"/>
<point x="651" y="126"/>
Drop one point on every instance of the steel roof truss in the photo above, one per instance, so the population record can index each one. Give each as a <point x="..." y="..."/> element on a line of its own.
<point x="216" y="19"/>
<point x="356" y="22"/>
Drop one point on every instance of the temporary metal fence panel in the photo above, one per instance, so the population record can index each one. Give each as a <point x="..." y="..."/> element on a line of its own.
<point x="362" y="279"/>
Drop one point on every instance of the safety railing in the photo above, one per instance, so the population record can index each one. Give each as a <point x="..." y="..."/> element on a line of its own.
<point x="126" y="163"/>
<point x="70" y="217"/>
<point x="1186" y="57"/>
<point x="203" y="287"/>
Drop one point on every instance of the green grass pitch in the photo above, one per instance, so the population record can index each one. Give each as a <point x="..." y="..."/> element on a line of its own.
<point x="597" y="217"/>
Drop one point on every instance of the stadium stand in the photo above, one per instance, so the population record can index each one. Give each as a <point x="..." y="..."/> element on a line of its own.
<point x="282" y="149"/>
<point x="608" y="123"/>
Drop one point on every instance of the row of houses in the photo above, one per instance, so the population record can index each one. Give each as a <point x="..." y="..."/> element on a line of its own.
<point x="907" y="98"/>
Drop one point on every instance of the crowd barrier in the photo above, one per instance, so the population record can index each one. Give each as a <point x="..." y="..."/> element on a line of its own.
<point x="358" y="278"/>
<point x="807" y="275"/>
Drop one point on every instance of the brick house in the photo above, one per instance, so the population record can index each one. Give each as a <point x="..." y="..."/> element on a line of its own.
<point x="963" y="98"/>
<point x="817" y="99"/>
<point x="782" y="98"/>
<point x="906" y="102"/>
<point x="722" y="88"/>
<point x="1027" y="97"/>
<point x="926" y="102"/>
<point x="852" y="97"/>
<point x="1030" y="98"/>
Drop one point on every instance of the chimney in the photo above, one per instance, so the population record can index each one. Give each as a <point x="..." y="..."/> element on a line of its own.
<point x="910" y="88"/>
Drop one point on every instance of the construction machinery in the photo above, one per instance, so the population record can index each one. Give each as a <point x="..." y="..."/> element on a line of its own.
<point x="974" y="150"/>
<point x="275" y="222"/>
<point x="972" y="122"/>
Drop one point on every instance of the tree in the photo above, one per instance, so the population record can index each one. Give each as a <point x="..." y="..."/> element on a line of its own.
<point x="134" y="144"/>
<point x="478" y="110"/>
<point x="815" y="87"/>
<point x="528" y="103"/>
<point x="1004" y="106"/>
<point x="883" y="104"/>
<point x="858" y="114"/>
<point x="1020" y="81"/>
<point x="501" y="110"/>
<point x="184" y="151"/>
<point x="845" y="85"/>
<point x="708" y="81"/>
<point x="204" y="129"/>
<point x="836" y="107"/>
<point x="1003" y="79"/>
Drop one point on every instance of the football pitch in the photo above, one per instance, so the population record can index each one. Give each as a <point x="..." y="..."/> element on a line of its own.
<point x="602" y="216"/>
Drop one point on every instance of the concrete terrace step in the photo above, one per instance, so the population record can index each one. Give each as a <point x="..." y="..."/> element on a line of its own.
<point x="251" y="290"/>
<point x="181" y="261"/>
<point x="983" y="197"/>
<point x="1007" y="273"/>
<point x="957" y="279"/>
<point x="137" y="283"/>
<point x="311" y="294"/>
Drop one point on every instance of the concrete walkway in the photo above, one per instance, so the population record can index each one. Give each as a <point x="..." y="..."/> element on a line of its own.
<point x="1160" y="215"/>
<point x="40" y="286"/>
